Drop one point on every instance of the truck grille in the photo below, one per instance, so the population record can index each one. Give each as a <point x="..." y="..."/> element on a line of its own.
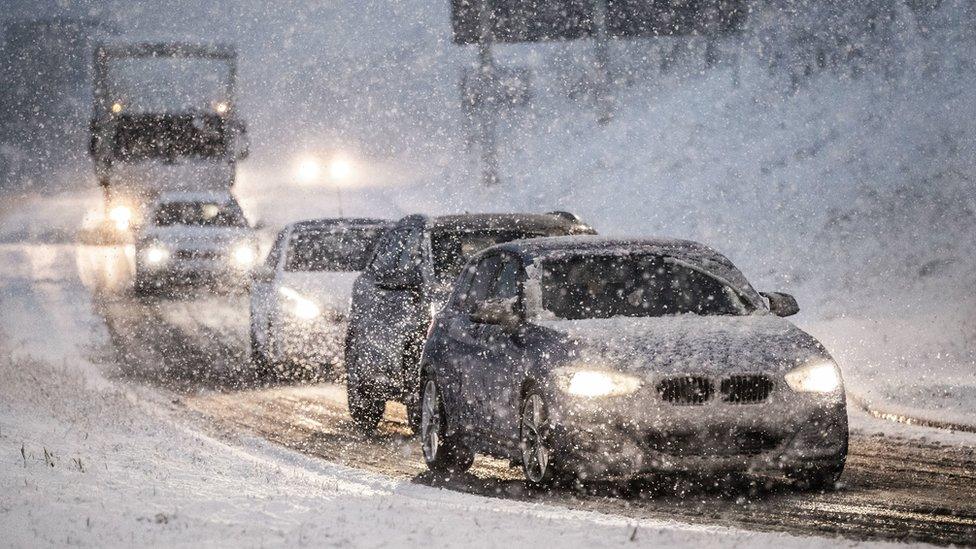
<point x="686" y="390"/>
<point x="745" y="389"/>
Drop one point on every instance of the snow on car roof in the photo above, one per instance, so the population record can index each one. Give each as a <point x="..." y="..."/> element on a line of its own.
<point x="487" y="221"/>
<point x="330" y="222"/>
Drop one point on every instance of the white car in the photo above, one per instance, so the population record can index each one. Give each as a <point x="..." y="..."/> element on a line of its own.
<point x="194" y="238"/>
<point x="300" y="295"/>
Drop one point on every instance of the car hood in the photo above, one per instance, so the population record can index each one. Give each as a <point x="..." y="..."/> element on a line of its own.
<point x="191" y="238"/>
<point x="687" y="343"/>
<point x="331" y="290"/>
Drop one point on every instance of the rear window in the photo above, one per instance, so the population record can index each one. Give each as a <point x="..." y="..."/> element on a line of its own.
<point x="332" y="249"/>
<point x="452" y="249"/>
<point x="202" y="214"/>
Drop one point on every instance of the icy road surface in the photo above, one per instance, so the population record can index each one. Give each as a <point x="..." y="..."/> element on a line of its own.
<point x="184" y="361"/>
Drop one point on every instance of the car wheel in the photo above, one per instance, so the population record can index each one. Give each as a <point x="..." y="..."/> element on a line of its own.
<point x="259" y="360"/>
<point x="539" y="461"/>
<point x="443" y="453"/>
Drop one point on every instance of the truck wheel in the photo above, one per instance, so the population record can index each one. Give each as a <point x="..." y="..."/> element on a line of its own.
<point x="443" y="453"/>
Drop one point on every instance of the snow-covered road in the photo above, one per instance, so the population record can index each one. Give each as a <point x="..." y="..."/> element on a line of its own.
<point x="125" y="422"/>
<point x="91" y="456"/>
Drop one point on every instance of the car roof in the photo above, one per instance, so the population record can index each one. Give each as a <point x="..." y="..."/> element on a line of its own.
<point x="335" y="222"/>
<point x="196" y="196"/>
<point x="489" y="221"/>
<point x="532" y="250"/>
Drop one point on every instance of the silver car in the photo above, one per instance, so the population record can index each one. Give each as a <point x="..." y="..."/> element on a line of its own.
<point x="194" y="237"/>
<point x="583" y="357"/>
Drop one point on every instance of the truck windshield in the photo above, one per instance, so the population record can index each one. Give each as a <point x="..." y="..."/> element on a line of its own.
<point x="604" y="286"/>
<point x="168" y="84"/>
<point x="201" y="214"/>
<point x="345" y="249"/>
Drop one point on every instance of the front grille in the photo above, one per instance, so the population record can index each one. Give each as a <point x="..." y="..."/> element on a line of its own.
<point x="745" y="389"/>
<point x="197" y="254"/>
<point x="686" y="390"/>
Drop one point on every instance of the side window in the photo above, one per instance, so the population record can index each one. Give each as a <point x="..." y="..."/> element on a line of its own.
<point x="459" y="297"/>
<point x="410" y="250"/>
<point x="388" y="251"/>
<point x="274" y="255"/>
<point x="506" y="284"/>
<point x="481" y="281"/>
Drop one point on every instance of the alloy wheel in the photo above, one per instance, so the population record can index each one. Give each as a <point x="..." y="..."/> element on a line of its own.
<point x="430" y="421"/>
<point x="534" y="431"/>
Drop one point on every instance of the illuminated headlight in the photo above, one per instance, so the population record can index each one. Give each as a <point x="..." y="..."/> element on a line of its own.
<point x="121" y="217"/>
<point x="817" y="376"/>
<point x="299" y="306"/>
<point x="244" y="255"/>
<point x="156" y="254"/>
<point x="595" y="383"/>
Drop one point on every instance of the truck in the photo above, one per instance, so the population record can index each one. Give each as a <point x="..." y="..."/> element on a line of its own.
<point x="164" y="119"/>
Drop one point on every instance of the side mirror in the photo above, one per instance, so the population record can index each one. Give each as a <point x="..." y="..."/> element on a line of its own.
<point x="781" y="304"/>
<point x="262" y="273"/>
<point x="500" y="312"/>
<point x="400" y="279"/>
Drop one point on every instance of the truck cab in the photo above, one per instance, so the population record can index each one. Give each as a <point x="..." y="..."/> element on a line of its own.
<point x="164" y="119"/>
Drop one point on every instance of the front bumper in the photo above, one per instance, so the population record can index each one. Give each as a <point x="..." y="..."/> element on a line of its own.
<point x="318" y="342"/>
<point x="195" y="271"/>
<point x="629" y="436"/>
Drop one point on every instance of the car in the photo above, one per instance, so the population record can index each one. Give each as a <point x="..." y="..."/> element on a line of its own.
<point x="407" y="280"/>
<point x="300" y="294"/>
<point x="587" y="358"/>
<point x="192" y="238"/>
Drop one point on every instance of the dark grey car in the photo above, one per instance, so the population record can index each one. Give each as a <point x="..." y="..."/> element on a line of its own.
<point x="406" y="281"/>
<point x="592" y="358"/>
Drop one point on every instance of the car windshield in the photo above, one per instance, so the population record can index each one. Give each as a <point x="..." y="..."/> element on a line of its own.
<point x="604" y="286"/>
<point x="203" y="214"/>
<point x="331" y="249"/>
<point x="451" y="249"/>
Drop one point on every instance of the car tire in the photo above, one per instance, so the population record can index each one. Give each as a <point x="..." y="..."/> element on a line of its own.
<point x="366" y="410"/>
<point x="259" y="360"/>
<point x="444" y="453"/>
<point x="540" y="462"/>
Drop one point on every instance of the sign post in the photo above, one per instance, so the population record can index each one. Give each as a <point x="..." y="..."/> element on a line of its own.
<point x="488" y="107"/>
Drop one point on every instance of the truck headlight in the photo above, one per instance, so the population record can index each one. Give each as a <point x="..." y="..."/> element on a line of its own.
<point x="156" y="254"/>
<point x="817" y="376"/>
<point x="300" y="306"/>
<point x="121" y="217"/>
<point x="244" y="255"/>
<point x="591" y="383"/>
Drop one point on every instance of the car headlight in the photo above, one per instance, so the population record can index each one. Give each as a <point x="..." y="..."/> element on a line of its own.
<point x="155" y="254"/>
<point x="300" y="306"/>
<point x="595" y="383"/>
<point x="244" y="255"/>
<point x="818" y="376"/>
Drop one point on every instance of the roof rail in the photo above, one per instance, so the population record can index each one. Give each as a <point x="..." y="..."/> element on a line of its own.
<point x="569" y="216"/>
